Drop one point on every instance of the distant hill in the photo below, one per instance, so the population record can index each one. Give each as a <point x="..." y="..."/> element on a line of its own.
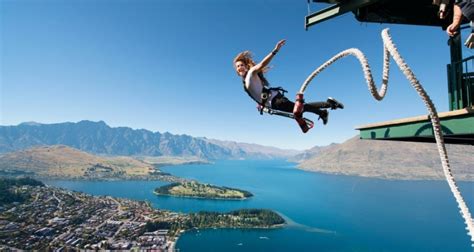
<point x="99" y="138"/>
<point x="311" y="153"/>
<point x="253" y="150"/>
<point x="390" y="160"/>
<point x="66" y="162"/>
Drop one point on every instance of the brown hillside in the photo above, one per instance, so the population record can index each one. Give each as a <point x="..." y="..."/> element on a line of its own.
<point x="391" y="160"/>
<point x="63" y="161"/>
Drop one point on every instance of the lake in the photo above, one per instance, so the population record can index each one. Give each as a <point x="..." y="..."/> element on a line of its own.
<point x="324" y="212"/>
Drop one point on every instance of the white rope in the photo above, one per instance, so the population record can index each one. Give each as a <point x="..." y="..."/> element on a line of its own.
<point x="390" y="48"/>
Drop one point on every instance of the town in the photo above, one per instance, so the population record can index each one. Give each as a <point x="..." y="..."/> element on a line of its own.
<point x="56" y="219"/>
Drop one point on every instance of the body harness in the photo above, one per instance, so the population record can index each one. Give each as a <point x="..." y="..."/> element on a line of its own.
<point x="266" y="91"/>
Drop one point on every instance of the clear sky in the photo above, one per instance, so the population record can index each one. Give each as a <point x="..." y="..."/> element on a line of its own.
<point x="166" y="66"/>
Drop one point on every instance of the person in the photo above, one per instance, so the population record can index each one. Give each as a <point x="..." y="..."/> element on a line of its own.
<point x="258" y="88"/>
<point x="443" y="4"/>
<point x="461" y="8"/>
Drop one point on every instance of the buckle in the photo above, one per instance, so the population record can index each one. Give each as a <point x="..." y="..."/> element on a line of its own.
<point x="264" y="96"/>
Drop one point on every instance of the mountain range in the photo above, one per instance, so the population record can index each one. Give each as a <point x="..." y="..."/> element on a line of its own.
<point x="99" y="138"/>
<point x="379" y="159"/>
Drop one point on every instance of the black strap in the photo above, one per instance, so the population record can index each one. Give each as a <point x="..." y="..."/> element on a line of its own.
<point x="263" y="79"/>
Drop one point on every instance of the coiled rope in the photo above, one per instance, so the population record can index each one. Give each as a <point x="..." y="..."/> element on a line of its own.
<point x="390" y="48"/>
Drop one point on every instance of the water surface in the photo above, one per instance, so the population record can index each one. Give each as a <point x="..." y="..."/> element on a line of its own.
<point x="324" y="212"/>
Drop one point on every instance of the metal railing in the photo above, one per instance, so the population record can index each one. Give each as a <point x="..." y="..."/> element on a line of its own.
<point x="461" y="83"/>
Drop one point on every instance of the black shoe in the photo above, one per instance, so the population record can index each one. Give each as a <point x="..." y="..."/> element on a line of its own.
<point x="324" y="116"/>
<point x="334" y="103"/>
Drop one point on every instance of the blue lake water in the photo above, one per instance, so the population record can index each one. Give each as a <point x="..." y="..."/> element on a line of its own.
<point x="324" y="212"/>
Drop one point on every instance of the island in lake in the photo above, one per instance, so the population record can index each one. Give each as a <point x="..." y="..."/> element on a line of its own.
<point x="198" y="190"/>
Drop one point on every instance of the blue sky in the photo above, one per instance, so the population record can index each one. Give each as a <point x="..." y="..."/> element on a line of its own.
<point x="166" y="66"/>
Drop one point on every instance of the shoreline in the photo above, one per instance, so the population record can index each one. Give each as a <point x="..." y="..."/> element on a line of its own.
<point x="380" y="177"/>
<point x="169" y="179"/>
<point x="172" y="247"/>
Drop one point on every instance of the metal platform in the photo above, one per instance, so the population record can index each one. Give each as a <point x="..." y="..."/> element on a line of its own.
<point x="419" y="12"/>
<point x="457" y="127"/>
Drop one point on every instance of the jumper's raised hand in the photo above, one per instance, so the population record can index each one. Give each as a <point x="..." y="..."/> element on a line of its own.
<point x="280" y="44"/>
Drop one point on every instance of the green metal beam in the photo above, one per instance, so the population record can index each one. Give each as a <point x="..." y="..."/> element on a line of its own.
<point x="458" y="129"/>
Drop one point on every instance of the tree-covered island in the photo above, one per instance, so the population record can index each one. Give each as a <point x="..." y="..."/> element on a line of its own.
<point x="198" y="190"/>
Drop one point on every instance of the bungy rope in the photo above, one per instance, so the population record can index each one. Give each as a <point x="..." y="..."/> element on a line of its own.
<point x="390" y="48"/>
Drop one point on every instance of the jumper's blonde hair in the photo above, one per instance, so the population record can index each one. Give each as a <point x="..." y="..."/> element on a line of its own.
<point x="246" y="58"/>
